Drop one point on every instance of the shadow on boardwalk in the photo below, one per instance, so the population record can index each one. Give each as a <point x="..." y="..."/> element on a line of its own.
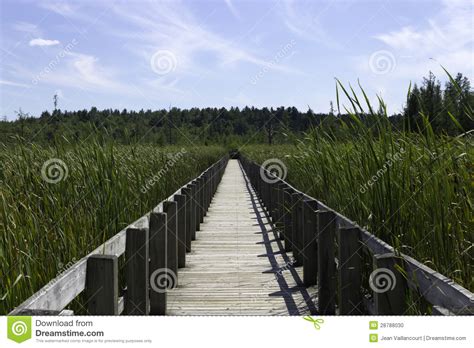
<point x="285" y="274"/>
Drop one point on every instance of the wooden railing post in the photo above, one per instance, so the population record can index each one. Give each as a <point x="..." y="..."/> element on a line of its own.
<point x="197" y="223"/>
<point x="170" y="208"/>
<point x="389" y="285"/>
<point x="194" y="223"/>
<point x="201" y="198"/>
<point x="271" y="202"/>
<point x="326" y="263"/>
<point x="203" y="195"/>
<point x="310" y="251"/>
<point x="181" y="220"/>
<point x="102" y="285"/>
<point x="287" y="210"/>
<point x="297" y="227"/>
<point x="189" y="217"/>
<point x="158" y="266"/>
<point x="280" y="209"/>
<point x="267" y="197"/>
<point x="136" y="256"/>
<point x="213" y="181"/>
<point x="349" y="272"/>
<point x="208" y="189"/>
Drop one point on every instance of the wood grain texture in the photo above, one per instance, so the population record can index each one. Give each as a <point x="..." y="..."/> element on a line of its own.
<point x="237" y="265"/>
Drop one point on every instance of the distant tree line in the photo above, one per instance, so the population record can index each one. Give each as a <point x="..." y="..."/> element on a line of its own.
<point x="446" y="111"/>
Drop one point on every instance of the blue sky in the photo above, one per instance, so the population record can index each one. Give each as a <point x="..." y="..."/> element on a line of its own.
<point x="154" y="54"/>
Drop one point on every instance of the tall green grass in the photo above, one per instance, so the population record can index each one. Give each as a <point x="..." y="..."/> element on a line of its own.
<point x="413" y="190"/>
<point x="44" y="227"/>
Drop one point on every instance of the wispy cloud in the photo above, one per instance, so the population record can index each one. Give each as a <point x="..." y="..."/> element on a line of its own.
<point x="89" y="71"/>
<point x="60" y="7"/>
<point x="305" y="20"/>
<point x="14" y="84"/>
<point x="75" y="70"/>
<point x="446" y="37"/>
<point x="412" y="50"/>
<point x="43" y="42"/>
<point x="232" y="9"/>
<point x="173" y="27"/>
<point x="28" y="28"/>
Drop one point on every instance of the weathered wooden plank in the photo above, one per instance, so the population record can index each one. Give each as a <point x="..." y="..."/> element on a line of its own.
<point x="237" y="265"/>
<point x="170" y="208"/>
<point x="137" y="276"/>
<point x="350" y="299"/>
<point x="189" y="218"/>
<point x="158" y="263"/>
<point x="287" y="206"/>
<point x="45" y="312"/>
<point x="194" y="187"/>
<point x="388" y="284"/>
<point x="102" y="285"/>
<point x="297" y="227"/>
<point x="181" y="221"/>
<point x="310" y="248"/>
<point x="433" y="286"/>
<point x="281" y="209"/>
<point x="326" y="264"/>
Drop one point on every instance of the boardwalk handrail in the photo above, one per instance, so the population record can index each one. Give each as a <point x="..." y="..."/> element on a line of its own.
<point x="306" y="223"/>
<point x="178" y="217"/>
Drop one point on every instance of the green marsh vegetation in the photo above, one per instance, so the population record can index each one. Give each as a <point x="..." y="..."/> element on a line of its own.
<point x="51" y="217"/>
<point x="412" y="189"/>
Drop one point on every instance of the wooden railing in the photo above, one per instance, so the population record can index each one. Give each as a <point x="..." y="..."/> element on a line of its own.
<point x="333" y="249"/>
<point x="154" y="247"/>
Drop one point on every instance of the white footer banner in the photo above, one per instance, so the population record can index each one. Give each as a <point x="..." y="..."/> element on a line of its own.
<point x="366" y="331"/>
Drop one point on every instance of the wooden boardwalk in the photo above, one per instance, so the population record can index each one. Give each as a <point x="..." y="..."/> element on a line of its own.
<point x="237" y="266"/>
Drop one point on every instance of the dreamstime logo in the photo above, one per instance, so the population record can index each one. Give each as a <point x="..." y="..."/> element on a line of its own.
<point x="64" y="267"/>
<point x="280" y="55"/>
<point x="381" y="172"/>
<point x="173" y="158"/>
<point x="163" y="279"/>
<point x="382" y="280"/>
<point x="382" y="62"/>
<point x="272" y="170"/>
<point x="267" y="287"/>
<point x="54" y="170"/>
<point x="19" y="328"/>
<point x="163" y="62"/>
<point x="54" y="62"/>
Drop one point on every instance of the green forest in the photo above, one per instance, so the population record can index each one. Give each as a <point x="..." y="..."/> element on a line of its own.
<point x="442" y="106"/>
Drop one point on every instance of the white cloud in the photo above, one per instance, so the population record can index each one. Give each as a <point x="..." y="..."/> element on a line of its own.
<point x="84" y="71"/>
<point x="163" y="25"/>
<point x="14" y="84"/>
<point x="60" y="7"/>
<point x="170" y="26"/>
<point x="75" y="70"/>
<point x="27" y="28"/>
<point x="43" y="42"/>
<point x="445" y="38"/>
